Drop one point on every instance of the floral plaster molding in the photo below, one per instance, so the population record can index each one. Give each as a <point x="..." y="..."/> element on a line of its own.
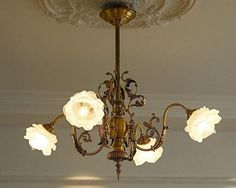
<point x="86" y="12"/>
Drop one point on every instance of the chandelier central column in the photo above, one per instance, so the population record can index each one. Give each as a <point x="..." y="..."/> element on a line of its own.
<point x="117" y="61"/>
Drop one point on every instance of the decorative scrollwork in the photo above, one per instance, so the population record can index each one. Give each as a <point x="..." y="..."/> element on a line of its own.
<point x="131" y="88"/>
<point x="151" y="132"/>
<point x="107" y="93"/>
<point x="137" y="101"/>
<point x="84" y="137"/>
<point x="128" y="84"/>
<point x="151" y="121"/>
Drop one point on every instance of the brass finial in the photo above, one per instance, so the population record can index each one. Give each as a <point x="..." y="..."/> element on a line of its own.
<point x="118" y="170"/>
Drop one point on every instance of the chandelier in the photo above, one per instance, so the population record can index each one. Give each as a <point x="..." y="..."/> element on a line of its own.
<point x="111" y="110"/>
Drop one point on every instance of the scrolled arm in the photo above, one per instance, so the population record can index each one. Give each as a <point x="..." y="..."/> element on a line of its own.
<point x="187" y="110"/>
<point x="57" y="119"/>
<point x="50" y="126"/>
<point x="164" y="119"/>
<point x="86" y="137"/>
<point x="160" y="139"/>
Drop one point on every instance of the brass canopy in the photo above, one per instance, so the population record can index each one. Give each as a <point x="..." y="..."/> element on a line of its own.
<point x="118" y="16"/>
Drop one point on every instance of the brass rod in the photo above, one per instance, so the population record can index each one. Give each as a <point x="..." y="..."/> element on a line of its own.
<point x="187" y="110"/>
<point x="117" y="46"/>
<point x="57" y="118"/>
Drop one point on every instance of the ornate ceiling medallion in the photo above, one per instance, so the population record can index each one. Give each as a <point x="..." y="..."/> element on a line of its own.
<point x="148" y="12"/>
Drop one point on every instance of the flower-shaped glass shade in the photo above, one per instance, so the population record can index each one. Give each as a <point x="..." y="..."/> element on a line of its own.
<point x="201" y="123"/>
<point x="141" y="157"/>
<point x="40" y="139"/>
<point x="84" y="109"/>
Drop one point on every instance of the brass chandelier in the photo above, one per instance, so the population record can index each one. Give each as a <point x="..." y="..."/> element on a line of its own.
<point x="111" y="110"/>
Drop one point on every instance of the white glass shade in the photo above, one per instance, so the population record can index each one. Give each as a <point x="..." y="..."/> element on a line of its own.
<point x="201" y="123"/>
<point x="141" y="157"/>
<point x="84" y="109"/>
<point x="40" y="139"/>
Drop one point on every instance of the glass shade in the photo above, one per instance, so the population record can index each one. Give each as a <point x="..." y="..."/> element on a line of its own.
<point x="40" y="139"/>
<point x="141" y="157"/>
<point x="201" y="123"/>
<point x="84" y="109"/>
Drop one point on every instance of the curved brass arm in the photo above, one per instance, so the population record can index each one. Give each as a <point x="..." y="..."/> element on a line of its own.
<point x="162" y="137"/>
<point x="138" y="127"/>
<point x="50" y="126"/>
<point x="187" y="110"/>
<point x="164" y="122"/>
<point x="57" y="119"/>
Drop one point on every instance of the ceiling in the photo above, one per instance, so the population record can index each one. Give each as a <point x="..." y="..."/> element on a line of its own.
<point x="43" y="62"/>
<point x="192" y="56"/>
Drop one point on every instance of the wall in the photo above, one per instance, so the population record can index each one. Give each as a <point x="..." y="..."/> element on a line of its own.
<point x="184" y="163"/>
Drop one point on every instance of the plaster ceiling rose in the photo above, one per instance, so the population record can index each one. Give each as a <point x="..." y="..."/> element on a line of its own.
<point x="86" y="12"/>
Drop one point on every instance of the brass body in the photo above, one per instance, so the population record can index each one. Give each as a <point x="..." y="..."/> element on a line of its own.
<point x="118" y="133"/>
<point x="118" y="130"/>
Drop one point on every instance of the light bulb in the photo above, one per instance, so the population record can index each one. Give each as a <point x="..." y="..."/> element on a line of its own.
<point x="201" y="123"/>
<point x="39" y="142"/>
<point x="84" y="110"/>
<point x="141" y="157"/>
<point x="41" y="139"/>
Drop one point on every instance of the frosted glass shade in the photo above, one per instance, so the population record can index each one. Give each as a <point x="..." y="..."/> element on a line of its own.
<point x="84" y="109"/>
<point x="141" y="157"/>
<point x="201" y="123"/>
<point x="40" y="139"/>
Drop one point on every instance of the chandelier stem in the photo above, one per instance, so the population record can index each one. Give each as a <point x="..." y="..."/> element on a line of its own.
<point x="117" y="43"/>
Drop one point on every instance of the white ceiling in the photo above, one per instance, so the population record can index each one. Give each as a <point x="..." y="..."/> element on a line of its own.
<point x="193" y="56"/>
<point x="43" y="61"/>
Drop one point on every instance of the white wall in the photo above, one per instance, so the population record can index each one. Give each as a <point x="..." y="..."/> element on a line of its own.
<point x="184" y="164"/>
